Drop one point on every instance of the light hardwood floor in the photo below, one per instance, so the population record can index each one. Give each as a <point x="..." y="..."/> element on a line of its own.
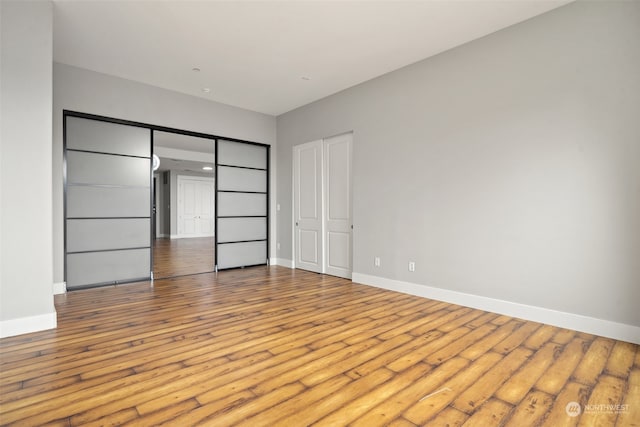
<point x="269" y="346"/>
<point x="179" y="257"/>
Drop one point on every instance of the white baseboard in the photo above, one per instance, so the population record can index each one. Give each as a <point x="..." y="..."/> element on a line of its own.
<point x="577" y="322"/>
<point x="60" y="288"/>
<point x="283" y="262"/>
<point x="24" y="325"/>
<point x="190" y="236"/>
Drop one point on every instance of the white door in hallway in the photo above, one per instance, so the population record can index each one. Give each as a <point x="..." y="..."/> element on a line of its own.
<point x="307" y="170"/>
<point x="337" y="206"/>
<point x="195" y="206"/>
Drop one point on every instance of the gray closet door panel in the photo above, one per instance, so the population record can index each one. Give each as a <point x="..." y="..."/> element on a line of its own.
<point x="107" y="169"/>
<point x="242" y="190"/>
<point x="239" y="229"/>
<point x="247" y="155"/>
<point x="107" y="202"/>
<point x="242" y="204"/>
<point x="91" y="202"/>
<point x="104" y="234"/>
<point x="237" y="179"/>
<point x="241" y="254"/>
<point x="102" y="267"/>
<point x="94" y="135"/>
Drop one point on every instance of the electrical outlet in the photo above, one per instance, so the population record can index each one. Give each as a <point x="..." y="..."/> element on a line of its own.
<point x="376" y="261"/>
<point x="412" y="266"/>
<point x="278" y="246"/>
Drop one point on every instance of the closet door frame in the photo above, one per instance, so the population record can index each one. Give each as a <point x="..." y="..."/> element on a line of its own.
<point x="214" y="139"/>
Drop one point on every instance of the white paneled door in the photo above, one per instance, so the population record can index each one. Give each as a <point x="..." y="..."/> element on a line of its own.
<point x="307" y="170"/>
<point x="322" y="206"/>
<point x="337" y="206"/>
<point x="195" y="206"/>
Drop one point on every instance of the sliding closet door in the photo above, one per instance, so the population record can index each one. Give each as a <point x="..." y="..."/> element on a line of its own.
<point x="242" y="182"/>
<point x="107" y="202"/>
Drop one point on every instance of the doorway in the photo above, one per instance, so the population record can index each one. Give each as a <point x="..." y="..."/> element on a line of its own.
<point x="322" y="187"/>
<point x="185" y="205"/>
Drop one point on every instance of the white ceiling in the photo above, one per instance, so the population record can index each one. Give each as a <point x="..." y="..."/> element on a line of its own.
<point x="180" y="165"/>
<point x="270" y="56"/>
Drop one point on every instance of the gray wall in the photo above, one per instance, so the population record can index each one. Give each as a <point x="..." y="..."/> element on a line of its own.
<point x="506" y="168"/>
<point x="160" y="212"/>
<point x="166" y="200"/>
<point x="90" y="92"/>
<point x="25" y="166"/>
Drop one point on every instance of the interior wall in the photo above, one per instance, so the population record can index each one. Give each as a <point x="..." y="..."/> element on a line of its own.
<point x="166" y="207"/>
<point x="505" y="168"/>
<point x="26" y="294"/>
<point x="159" y="201"/>
<point x="95" y="93"/>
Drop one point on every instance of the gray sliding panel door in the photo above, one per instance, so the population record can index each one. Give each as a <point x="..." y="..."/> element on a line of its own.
<point x="242" y="204"/>
<point x="107" y="202"/>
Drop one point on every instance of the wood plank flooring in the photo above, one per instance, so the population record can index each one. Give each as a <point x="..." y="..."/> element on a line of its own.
<point x="180" y="257"/>
<point x="270" y="346"/>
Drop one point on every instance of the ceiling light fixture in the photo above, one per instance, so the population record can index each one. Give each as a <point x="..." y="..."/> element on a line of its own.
<point x="305" y="78"/>
<point x="195" y="69"/>
<point x="207" y="168"/>
<point x="206" y="90"/>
